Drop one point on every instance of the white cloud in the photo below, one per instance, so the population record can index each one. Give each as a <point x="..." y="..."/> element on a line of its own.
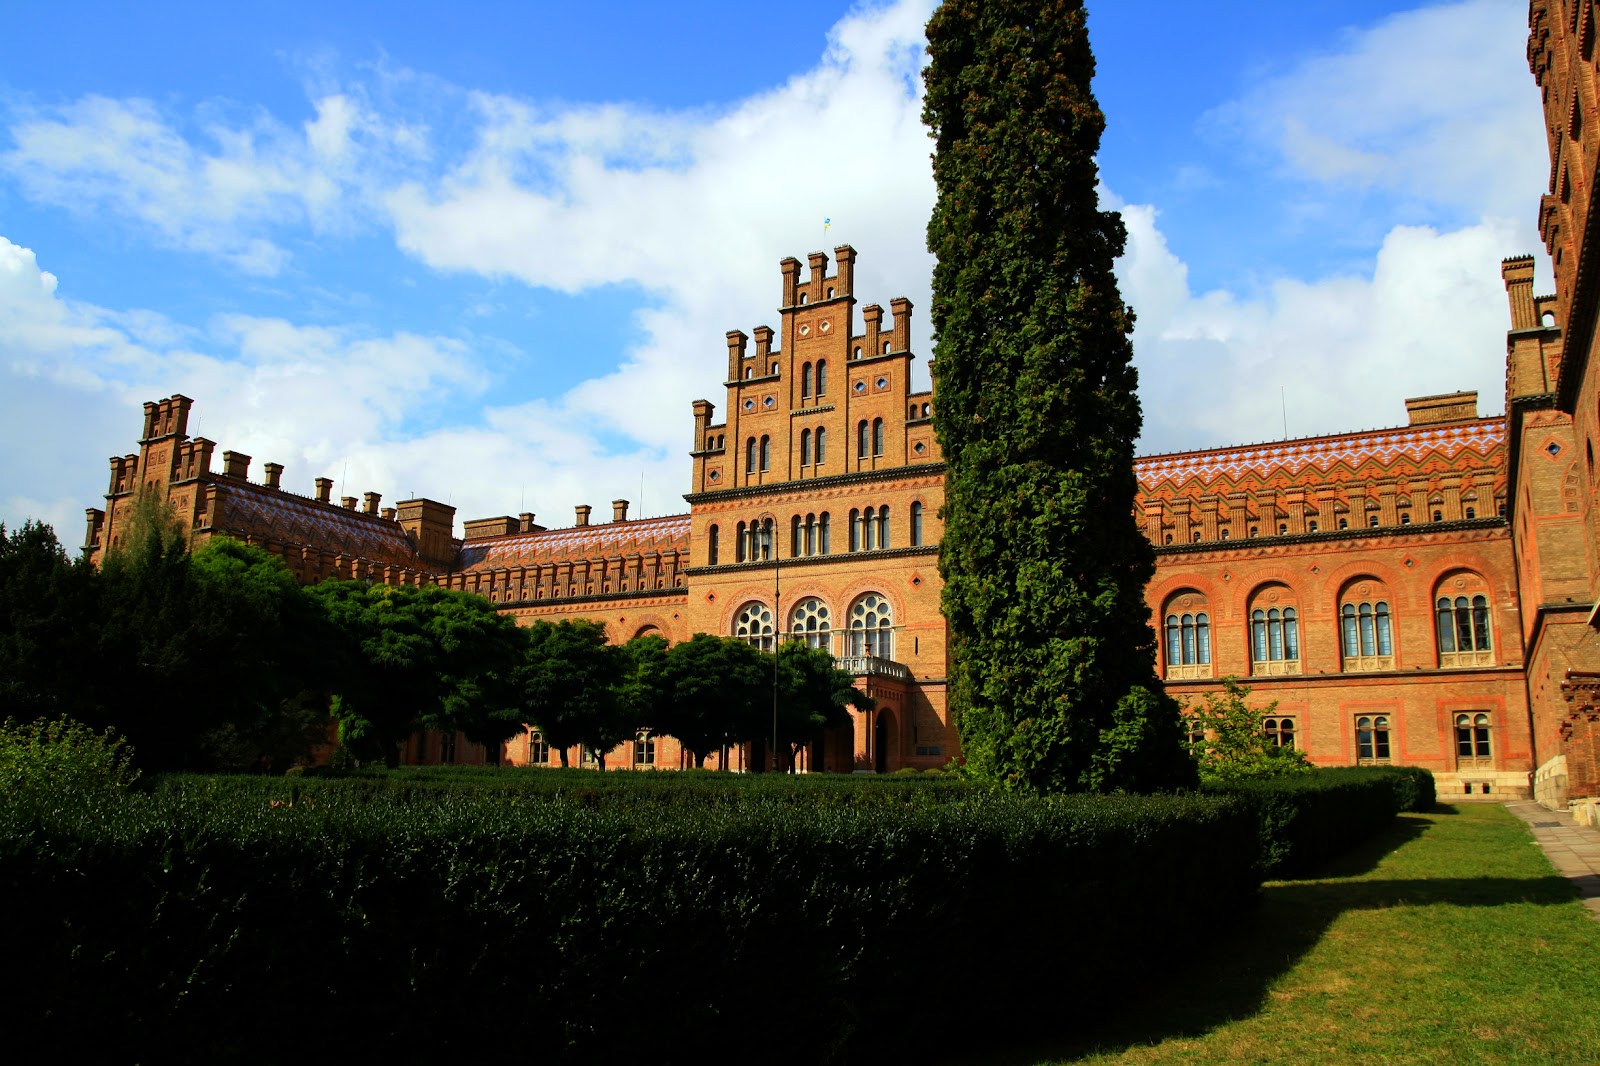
<point x="1435" y="103"/>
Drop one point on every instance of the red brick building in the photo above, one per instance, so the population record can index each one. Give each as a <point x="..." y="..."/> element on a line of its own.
<point x="1553" y="390"/>
<point x="1366" y="583"/>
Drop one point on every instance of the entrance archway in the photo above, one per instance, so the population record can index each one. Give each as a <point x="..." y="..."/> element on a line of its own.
<point x="881" y="733"/>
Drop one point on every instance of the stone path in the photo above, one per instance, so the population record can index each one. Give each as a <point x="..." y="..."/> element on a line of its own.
<point x="1573" y="849"/>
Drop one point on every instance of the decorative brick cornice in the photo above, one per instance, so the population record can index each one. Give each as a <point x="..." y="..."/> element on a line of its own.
<point x="859" y="477"/>
<point x="811" y="560"/>
<point x="820" y="409"/>
<point x="1329" y="536"/>
<point x="675" y="592"/>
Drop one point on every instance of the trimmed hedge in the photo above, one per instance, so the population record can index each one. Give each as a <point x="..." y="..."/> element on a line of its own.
<point x="1306" y="819"/>
<point x="202" y="923"/>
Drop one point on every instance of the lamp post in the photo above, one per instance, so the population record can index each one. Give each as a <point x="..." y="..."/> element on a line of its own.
<point x="767" y="537"/>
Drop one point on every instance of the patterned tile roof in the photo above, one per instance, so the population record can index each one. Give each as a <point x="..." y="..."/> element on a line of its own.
<point x="576" y="542"/>
<point x="282" y="516"/>
<point x="1480" y="438"/>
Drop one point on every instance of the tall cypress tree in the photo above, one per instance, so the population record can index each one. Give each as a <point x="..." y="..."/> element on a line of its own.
<point x="1052" y="655"/>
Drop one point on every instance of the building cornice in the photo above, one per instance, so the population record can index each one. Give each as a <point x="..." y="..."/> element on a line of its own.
<point x="1330" y="536"/>
<point x="858" y="477"/>
<point x="723" y="569"/>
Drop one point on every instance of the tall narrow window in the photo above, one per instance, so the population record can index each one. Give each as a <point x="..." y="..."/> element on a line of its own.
<point x="1372" y="738"/>
<point x="644" y="750"/>
<point x="822" y="376"/>
<point x="877" y="436"/>
<point x="805" y="447"/>
<point x="861" y="439"/>
<point x="1366" y="636"/>
<point x="1464" y="631"/>
<point x="1472" y="740"/>
<point x="750" y="455"/>
<point x="811" y="534"/>
<point x="823" y="547"/>
<point x="711" y="546"/>
<point x="1188" y="645"/>
<point x="855" y="530"/>
<point x="795" y="541"/>
<point x="740" y="544"/>
<point x="916" y="525"/>
<point x="869" y="529"/>
<point x="766" y="453"/>
<point x="805" y="381"/>
<point x="883" y="526"/>
<point x="822" y="445"/>
<point x="538" y="750"/>
<point x="1274" y="641"/>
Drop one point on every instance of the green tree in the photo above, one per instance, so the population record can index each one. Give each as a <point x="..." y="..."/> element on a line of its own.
<point x="48" y="618"/>
<point x="721" y="693"/>
<point x="814" y="697"/>
<point x="1232" y="743"/>
<point x="1052" y="655"/>
<point x="571" y="686"/>
<point x="412" y="658"/>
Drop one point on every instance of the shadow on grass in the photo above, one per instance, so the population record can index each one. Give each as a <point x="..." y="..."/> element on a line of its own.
<point x="1230" y="980"/>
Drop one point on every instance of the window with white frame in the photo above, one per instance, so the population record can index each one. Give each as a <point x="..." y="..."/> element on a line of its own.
<point x="812" y="623"/>
<point x="753" y="625"/>
<point x="871" y="627"/>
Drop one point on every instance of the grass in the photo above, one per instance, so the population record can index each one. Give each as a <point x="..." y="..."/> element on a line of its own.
<point x="1448" y="940"/>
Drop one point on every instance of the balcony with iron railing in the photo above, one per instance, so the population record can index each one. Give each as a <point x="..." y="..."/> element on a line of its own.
<point x="872" y="666"/>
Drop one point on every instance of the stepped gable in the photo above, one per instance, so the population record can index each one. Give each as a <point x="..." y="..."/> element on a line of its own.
<point x="670" y="533"/>
<point x="272" y="514"/>
<point x="1478" y="443"/>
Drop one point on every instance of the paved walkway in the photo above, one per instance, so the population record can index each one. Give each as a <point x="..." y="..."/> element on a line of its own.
<point x="1573" y="849"/>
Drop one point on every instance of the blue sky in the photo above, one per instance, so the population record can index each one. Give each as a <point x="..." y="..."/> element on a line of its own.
<point x="490" y="257"/>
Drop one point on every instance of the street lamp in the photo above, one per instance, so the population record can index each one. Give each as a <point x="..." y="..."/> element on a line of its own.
<point x="766" y="536"/>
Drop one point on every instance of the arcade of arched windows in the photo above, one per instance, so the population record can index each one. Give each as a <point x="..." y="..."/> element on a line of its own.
<point x="1210" y="519"/>
<point x="811" y="534"/>
<point x="868" y="626"/>
<point x="1366" y="621"/>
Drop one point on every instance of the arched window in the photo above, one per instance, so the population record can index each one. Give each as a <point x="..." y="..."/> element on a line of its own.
<point x="753" y="625"/>
<point x="877" y="436"/>
<point x="883" y="526"/>
<point x="1366" y="636"/>
<point x="805" y="447"/>
<point x="822" y="445"/>
<point x="869" y="529"/>
<point x="805" y="381"/>
<point x="1372" y="738"/>
<point x="766" y="452"/>
<point x="803" y="297"/>
<point x="810" y="623"/>
<point x="823" y="547"/>
<point x="1188" y="644"/>
<point x="711" y="546"/>
<point x="861" y="439"/>
<point x="749" y="372"/>
<point x="855" y="530"/>
<point x="822" y="376"/>
<point x="1463" y="626"/>
<point x="1274" y="641"/>
<point x="916" y="524"/>
<point x="750" y="455"/>
<point x="1280" y="732"/>
<point x="741" y="544"/>
<point x="871" y="631"/>
<point x="796" y="541"/>
<point x="1472" y="741"/>
<point x="885" y="347"/>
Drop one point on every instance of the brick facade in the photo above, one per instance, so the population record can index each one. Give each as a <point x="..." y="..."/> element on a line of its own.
<point x="825" y="444"/>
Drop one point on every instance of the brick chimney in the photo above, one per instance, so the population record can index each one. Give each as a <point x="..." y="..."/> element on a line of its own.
<point x="619" y="510"/>
<point x="583" y="510"/>
<point x="273" y="472"/>
<point x="324" y="489"/>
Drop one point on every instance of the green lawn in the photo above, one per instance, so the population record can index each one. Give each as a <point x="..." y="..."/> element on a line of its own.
<point x="1449" y="940"/>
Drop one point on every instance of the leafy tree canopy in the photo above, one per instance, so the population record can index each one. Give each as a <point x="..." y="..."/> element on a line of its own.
<point x="570" y="686"/>
<point x="1232" y="743"/>
<point x="1052" y="656"/>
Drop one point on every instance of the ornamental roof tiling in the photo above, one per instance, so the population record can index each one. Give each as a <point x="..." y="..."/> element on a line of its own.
<point x="577" y="542"/>
<point x="1407" y="446"/>
<point x="272" y="514"/>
